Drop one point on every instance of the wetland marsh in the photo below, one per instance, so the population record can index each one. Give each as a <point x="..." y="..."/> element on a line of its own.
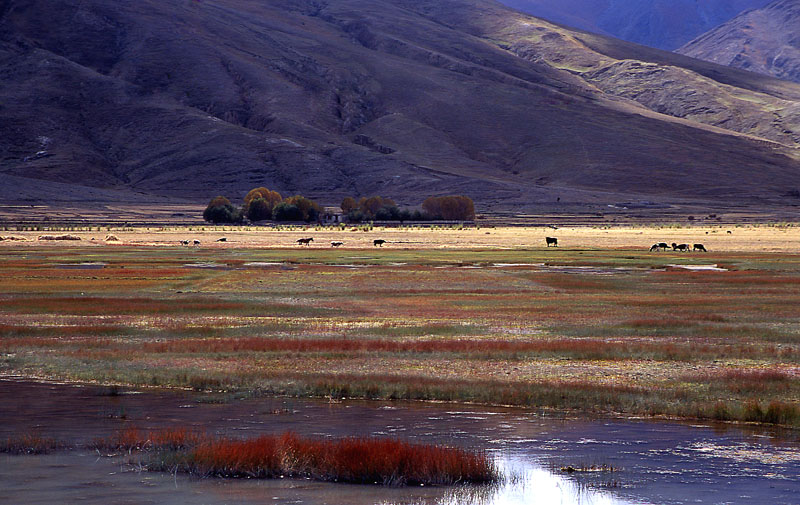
<point x="579" y="332"/>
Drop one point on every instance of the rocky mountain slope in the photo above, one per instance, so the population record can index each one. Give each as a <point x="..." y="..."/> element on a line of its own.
<point x="765" y="40"/>
<point x="665" y="24"/>
<point x="404" y="98"/>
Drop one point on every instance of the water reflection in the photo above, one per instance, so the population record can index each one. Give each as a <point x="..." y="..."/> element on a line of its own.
<point x="528" y="484"/>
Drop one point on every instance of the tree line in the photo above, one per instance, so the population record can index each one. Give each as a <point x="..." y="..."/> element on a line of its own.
<point x="261" y="204"/>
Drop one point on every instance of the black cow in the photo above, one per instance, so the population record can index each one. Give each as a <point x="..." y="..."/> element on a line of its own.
<point x="551" y="241"/>
<point x="378" y="242"/>
<point x="700" y="247"/>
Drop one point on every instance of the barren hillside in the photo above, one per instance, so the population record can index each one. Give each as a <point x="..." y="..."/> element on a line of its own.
<point x="765" y="40"/>
<point x="405" y="98"/>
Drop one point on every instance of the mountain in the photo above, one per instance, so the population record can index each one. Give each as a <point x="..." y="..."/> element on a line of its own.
<point x="188" y="99"/>
<point x="665" y="24"/>
<point x="765" y="40"/>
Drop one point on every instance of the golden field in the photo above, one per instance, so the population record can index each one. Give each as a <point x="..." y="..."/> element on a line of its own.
<point x="742" y="238"/>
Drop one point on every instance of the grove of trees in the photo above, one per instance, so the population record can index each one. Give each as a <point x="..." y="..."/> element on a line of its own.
<point x="449" y="208"/>
<point x="262" y="204"/>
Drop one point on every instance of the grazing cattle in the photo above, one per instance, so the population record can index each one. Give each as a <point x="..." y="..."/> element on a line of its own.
<point x="305" y="241"/>
<point x="336" y="244"/>
<point x="196" y="242"/>
<point x="729" y="232"/>
<point x="680" y="247"/>
<point x="184" y="242"/>
<point x="699" y="247"/>
<point x="660" y="245"/>
<point x="654" y="247"/>
<point x="551" y="241"/>
<point x="378" y="242"/>
<point x="222" y="239"/>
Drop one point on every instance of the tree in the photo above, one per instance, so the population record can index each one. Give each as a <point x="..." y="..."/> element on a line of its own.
<point x="348" y="204"/>
<point x="356" y="216"/>
<point x="417" y="215"/>
<point x="388" y="213"/>
<point x="286" y="212"/>
<point x="259" y="210"/>
<point x="271" y="198"/>
<point x="451" y="208"/>
<point x="370" y="206"/>
<point x="220" y="210"/>
<point x="309" y="209"/>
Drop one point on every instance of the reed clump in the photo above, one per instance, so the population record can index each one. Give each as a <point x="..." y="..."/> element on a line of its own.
<point x="388" y="462"/>
<point x="30" y="443"/>
<point x="133" y="439"/>
<point x="354" y="460"/>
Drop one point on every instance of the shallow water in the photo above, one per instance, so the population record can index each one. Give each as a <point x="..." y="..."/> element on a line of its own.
<point x="95" y="265"/>
<point x="654" y="462"/>
<point x="701" y="268"/>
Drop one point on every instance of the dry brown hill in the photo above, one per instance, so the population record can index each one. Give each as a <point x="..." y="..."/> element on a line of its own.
<point x="766" y="40"/>
<point x="405" y="98"/>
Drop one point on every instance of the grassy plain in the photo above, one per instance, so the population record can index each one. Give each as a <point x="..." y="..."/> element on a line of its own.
<point x="491" y="315"/>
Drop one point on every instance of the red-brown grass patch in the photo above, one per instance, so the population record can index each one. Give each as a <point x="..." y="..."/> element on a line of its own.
<point x="30" y="443"/>
<point x="354" y="460"/>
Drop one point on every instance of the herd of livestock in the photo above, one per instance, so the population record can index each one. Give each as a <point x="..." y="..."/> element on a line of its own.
<point x="550" y="241"/>
<point x="301" y="241"/>
<point x="663" y="246"/>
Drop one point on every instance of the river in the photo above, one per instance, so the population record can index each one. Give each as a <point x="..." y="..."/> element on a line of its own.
<point x="641" y="461"/>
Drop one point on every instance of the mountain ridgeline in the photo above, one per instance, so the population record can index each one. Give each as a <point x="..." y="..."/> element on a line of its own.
<point x="665" y="24"/>
<point x="765" y="40"/>
<point x="403" y="98"/>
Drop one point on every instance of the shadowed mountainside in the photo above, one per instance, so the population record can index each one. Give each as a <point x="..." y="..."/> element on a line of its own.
<point x="665" y="24"/>
<point x="405" y="98"/>
<point x="765" y="40"/>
